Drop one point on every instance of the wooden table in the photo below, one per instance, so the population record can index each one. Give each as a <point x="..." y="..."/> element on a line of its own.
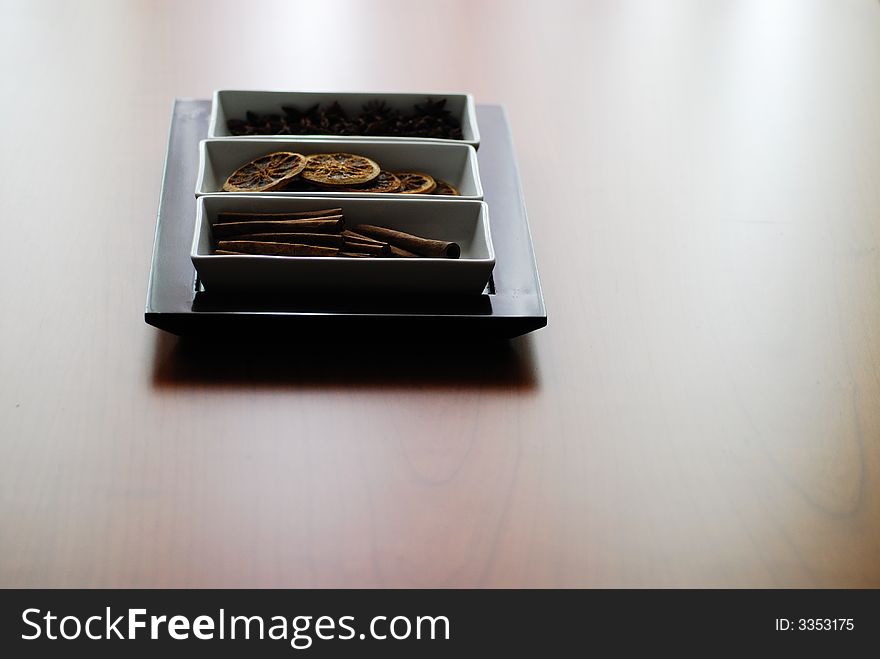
<point x="702" y="410"/>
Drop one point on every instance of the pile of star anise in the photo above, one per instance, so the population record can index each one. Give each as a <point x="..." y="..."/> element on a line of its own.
<point x="428" y="119"/>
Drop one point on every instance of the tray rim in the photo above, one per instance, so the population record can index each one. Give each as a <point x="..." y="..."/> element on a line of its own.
<point x="512" y="313"/>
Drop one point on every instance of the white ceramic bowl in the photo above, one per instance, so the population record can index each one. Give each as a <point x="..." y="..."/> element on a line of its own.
<point x="233" y="104"/>
<point x="465" y="222"/>
<point x="454" y="163"/>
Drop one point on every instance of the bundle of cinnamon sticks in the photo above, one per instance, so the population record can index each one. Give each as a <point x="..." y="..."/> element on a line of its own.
<point x="318" y="233"/>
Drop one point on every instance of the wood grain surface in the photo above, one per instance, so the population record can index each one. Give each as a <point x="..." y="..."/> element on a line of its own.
<point x="702" y="410"/>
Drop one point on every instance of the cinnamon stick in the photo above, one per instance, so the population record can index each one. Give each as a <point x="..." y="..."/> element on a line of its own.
<point x="236" y="216"/>
<point x="360" y="237"/>
<point x="331" y="224"/>
<point x="275" y="249"/>
<point x="407" y="241"/>
<point x="379" y="249"/>
<point x="326" y="239"/>
<point x="401" y="253"/>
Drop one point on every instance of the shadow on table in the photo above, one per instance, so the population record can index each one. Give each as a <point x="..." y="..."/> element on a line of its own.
<point x="182" y="362"/>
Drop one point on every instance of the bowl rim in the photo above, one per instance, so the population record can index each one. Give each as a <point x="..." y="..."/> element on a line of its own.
<point x="482" y="218"/>
<point x="471" y="151"/>
<point x="469" y="112"/>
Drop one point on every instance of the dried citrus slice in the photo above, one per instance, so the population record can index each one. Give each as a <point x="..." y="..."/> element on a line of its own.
<point x="445" y="188"/>
<point x="385" y="182"/>
<point x="340" y="169"/>
<point x="265" y="173"/>
<point x="416" y="183"/>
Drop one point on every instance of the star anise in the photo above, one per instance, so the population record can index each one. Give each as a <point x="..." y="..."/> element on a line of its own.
<point x="378" y="119"/>
<point x="429" y="119"/>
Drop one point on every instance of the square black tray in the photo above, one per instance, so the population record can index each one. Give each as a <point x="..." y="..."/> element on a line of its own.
<point x="511" y="305"/>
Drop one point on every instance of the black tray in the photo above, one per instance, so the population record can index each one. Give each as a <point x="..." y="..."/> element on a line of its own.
<point x="511" y="305"/>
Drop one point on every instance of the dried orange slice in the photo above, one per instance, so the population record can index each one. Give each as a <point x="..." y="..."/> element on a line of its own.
<point x="385" y="182"/>
<point x="445" y="188"/>
<point x="265" y="173"/>
<point x="416" y="183"/>
<point x="340" y="169"/>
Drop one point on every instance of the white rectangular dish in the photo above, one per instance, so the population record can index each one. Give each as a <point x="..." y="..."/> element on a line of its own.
<point x="234" y="104"/>
<point x="454" y="163"/>
<point x="466" y="223"/>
